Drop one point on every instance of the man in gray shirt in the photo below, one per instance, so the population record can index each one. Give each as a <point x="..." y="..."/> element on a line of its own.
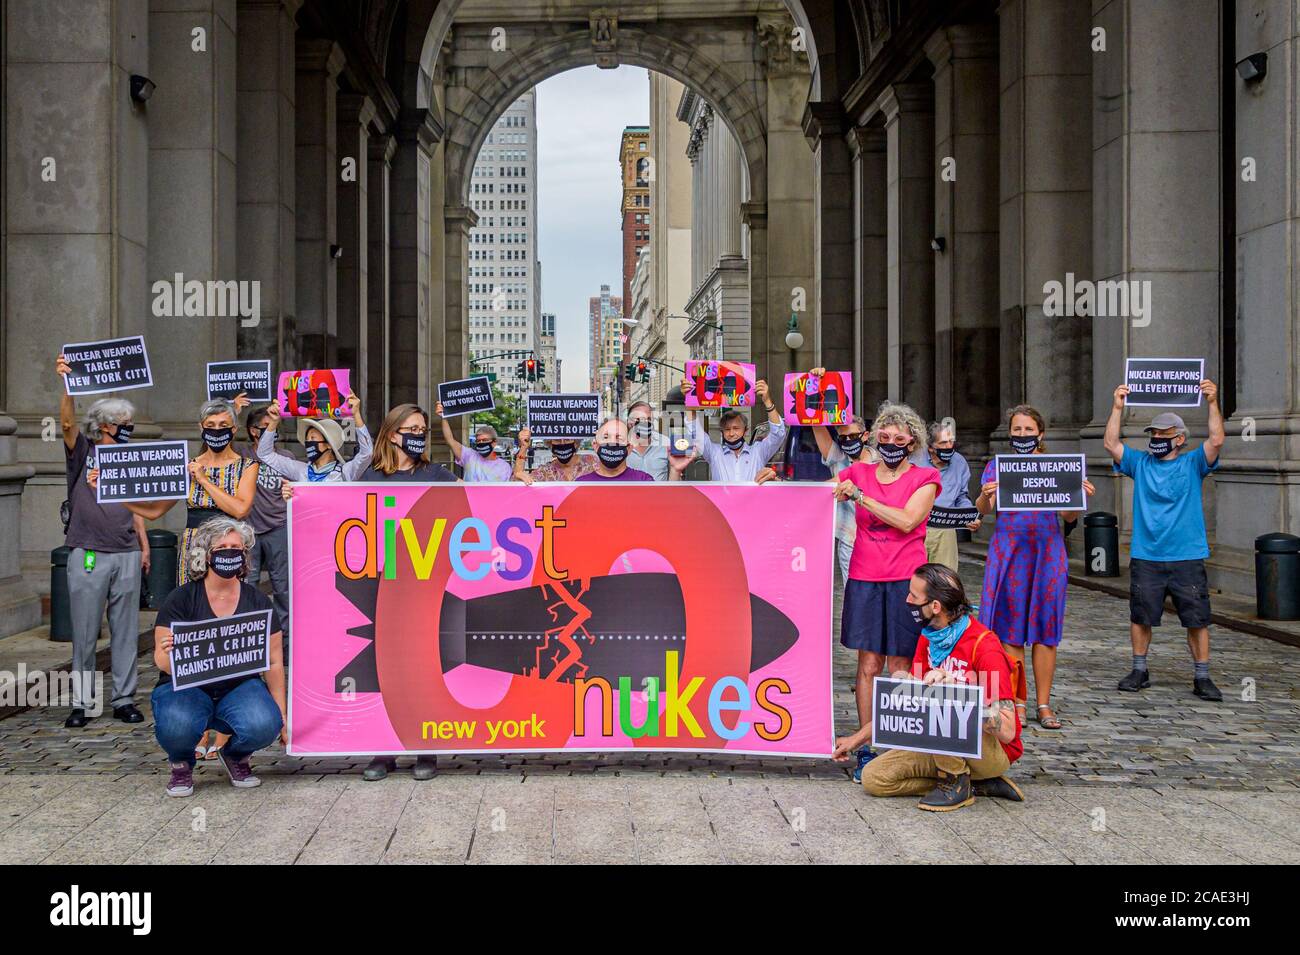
<point x="647" y="449"/>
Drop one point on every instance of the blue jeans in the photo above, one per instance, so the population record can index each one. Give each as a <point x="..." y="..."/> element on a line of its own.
<point x="247" y="713"/>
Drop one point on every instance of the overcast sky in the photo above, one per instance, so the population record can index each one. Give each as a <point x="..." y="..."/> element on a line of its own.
<point x="580" y="120"/>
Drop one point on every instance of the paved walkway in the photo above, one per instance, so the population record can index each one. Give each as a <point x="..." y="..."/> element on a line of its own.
<point x="1153" y="777"/>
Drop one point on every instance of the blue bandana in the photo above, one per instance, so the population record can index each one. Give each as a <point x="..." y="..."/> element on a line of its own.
<point x="314" y="475"/>
<point x="942" y="641"/>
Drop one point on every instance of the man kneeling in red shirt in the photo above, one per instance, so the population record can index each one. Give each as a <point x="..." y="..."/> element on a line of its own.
<point x="954" y="648"/>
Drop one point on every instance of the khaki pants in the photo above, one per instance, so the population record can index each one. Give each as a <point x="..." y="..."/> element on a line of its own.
<point x="941" y="546"/>
<point x="900" y="772"/>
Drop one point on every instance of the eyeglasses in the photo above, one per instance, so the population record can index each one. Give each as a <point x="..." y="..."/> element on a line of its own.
<point x="417" y="431"/>
<point x="901" y="441"/>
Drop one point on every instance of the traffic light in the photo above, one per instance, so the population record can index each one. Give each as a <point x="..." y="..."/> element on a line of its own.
<point x="520" y="371"/>
<point x="541" y="369"/>
<point x="642" y="372"/>
<point x="629" y="371"/>
<point x="530" y="368"/>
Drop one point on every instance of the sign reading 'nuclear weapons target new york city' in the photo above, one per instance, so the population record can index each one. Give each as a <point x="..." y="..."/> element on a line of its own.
<point x="489" y="618"/>
<point x="116" y="365"/>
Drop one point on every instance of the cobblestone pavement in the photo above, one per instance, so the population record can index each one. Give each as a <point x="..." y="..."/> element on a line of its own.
<point x="1151" y="777"/>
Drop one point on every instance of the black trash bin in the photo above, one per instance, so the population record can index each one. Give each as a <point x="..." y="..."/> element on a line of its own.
<point x="162" y="567"/>
<point x="60" y="606"/>
<point x="1101" y="544"/>
<point x="1277" y="577"/>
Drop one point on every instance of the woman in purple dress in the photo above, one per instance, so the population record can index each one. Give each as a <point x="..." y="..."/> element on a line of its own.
<point x="1024" y="581"/>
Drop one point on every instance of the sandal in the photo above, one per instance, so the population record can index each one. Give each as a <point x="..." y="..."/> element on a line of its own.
<point x="1051" y="722"/>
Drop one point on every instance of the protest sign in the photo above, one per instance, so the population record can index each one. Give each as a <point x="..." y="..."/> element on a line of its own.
<point x="945" y="719"/>
<point x="321" y="393"/>
<point x="944" y="517"/>
<point x="826" y="400"/>
<point x="228" y="378"/>
<point x="563" y="416"/>
<point x="466" y="396"/>
<point x="141" y="471"/>
<point x="205" y="651"/>
<point x="116" y="365"/>
<point x="720" y="384"/>
<point x="540" y="618"/>
<point x="1164" y="382"/>
<point x="1041" y="482"/>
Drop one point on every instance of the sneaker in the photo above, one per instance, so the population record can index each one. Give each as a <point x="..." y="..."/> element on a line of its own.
<point x="379" y="768"/>
<point x="181" y="782"/>
<point x="951" y="792"/>
<point x="999" y="787"/>
<point x="241" y="777"/>
<point x="865" y="755"/>
<point x="1204" y="688"/>
<point x="426" y="767"/>
<point x="1136" y="680"/>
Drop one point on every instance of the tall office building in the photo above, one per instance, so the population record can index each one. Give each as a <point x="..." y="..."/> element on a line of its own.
<point x="604" y="316"/>
<point x="546" y="352"/>
<point x="504" y="276"/>
<point x="635" y="166"/>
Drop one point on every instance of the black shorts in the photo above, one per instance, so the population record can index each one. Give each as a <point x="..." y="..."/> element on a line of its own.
<point x="1182" y="580"/>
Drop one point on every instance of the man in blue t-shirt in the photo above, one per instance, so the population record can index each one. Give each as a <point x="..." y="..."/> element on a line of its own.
<point x="1169" y="546"/>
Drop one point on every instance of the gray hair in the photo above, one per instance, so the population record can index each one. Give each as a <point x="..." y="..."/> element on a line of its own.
<point x="217" y="406"/>
<point x="898" y="415"/>
<point x="208" y="533"/>
<point x="483" y="426"/>
<point x="939" y="427"/>
<point x="106" y="411"/>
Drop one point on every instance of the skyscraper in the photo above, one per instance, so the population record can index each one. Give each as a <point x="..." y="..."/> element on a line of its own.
<point x="604" y="312"/>
<point x="504" y="276"/>
<point x="546" y="352"/>
<point x="637" y="169"/>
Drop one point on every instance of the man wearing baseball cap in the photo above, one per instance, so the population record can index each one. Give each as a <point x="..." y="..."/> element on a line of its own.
<point x="1169" y="546"/>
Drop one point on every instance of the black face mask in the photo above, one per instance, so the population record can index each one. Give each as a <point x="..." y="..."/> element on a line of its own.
<point x="918" y="614"/>
<point x="734" y="445"/>
<point x="123" y="433"/>
<point x="314" y="451"/>
<point x="944" y="454"/>
<point x="414" y="444"/>
<point x="564" y="452"/>
<point x="1024" y="445"/>
<point x="1160" y="446"/>
<point x="850" y="444"/>
<point x="892" y="454"/>
<point x="217" y="438"/>
<point x="611" y="455"/>
<point x="484" y="447"/>
<point x="227" y="562"/>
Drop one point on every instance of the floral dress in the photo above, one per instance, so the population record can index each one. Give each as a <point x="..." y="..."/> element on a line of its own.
<point x="1023" y="600"/>
<point x="226" y="478"/>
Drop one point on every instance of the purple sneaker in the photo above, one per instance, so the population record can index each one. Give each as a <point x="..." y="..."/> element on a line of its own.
<point x="241" y="777"/>
<point x="182" y="780"/>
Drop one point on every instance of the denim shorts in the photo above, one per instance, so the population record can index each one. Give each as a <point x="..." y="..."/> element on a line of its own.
<point x="1182" y="580"/>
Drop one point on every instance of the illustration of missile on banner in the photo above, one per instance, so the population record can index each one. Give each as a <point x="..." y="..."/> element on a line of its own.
<point x="720" y="384"/>
<point x="1164" y="382"/>
<point x="547" y="621"/>
<point x="825" y="399"/>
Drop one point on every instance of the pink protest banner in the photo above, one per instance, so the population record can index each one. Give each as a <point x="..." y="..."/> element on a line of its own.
<point x="503" y="618"/>
<point x="720" y="384"/>
<point x="826" y="400"/>
<point x="321" y="393"/>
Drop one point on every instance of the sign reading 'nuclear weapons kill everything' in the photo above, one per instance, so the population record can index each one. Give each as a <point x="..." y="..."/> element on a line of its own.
<point x="1041" y="482"/>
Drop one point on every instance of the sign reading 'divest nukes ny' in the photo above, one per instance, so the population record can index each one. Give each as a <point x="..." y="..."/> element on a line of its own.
<point x="1164" y="382"/>
<point x="116" y="365"/>
<point x="466" y="396"/>
<point x="944" y="718"/>
<point x="945" y="517"/>
<point x="223" y="648"/>
<point x="141" y="471"/>
<point x="228" y="378"/>
<point x="1041" y="482"/>
<point x="563" y="416"/>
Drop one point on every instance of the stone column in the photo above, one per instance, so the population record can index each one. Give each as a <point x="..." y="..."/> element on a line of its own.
<point x="316" y="163"/>
<point x="910" y="173"/>
<point x="833" y="221"/>
<point x="76" y="232"/>
<point x="380" y="155"/>
<point x="968" y="358"/>
<point x="1045" y="223"/>
<point x="20" y="607"/>
<point x="266" y="173"/>
<point x="1156" y="211"/>
<point x="355" y="114"/>
<point x="870" y="177"/>
<point x="410" y="244"/>
<point x="754" y="217"/>
<point x="731" y="178"/>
